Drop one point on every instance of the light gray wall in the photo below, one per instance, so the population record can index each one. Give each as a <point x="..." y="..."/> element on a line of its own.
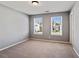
<point x="46" y="27"/>
<point x="14" y="26"/>
<point x="74" y="27"/>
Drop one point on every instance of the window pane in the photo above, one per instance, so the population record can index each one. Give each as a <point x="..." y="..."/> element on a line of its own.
<point x="56" y="25"/>
<point x="38" y="25"/>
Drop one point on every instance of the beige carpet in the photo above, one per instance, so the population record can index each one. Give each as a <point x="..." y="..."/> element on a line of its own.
<point x="39" y="49"/>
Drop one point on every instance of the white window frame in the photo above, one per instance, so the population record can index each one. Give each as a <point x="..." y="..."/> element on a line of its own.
<point x="40" y="33"/>
<point x="52" y="33"/>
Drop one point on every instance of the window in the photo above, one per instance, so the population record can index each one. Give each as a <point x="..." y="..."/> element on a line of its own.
<point x="38" y="25"/>
<point x="56" y="25"/>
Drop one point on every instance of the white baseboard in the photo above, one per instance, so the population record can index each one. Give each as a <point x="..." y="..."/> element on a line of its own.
<point x="12" y="45"/>
<point x="47" y="40"/>
<point x="76" y="52"/>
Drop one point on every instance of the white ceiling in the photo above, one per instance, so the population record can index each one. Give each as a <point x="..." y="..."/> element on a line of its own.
<point x="28" y="8"/>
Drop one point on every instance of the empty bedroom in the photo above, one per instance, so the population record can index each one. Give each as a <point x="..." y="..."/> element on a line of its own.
<point x="39" y="29"/>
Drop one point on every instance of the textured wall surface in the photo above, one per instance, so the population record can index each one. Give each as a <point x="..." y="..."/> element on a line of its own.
<point x="14" y="26"/>
<point x="74" y="27"/>
<point x="46" y="27"/>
